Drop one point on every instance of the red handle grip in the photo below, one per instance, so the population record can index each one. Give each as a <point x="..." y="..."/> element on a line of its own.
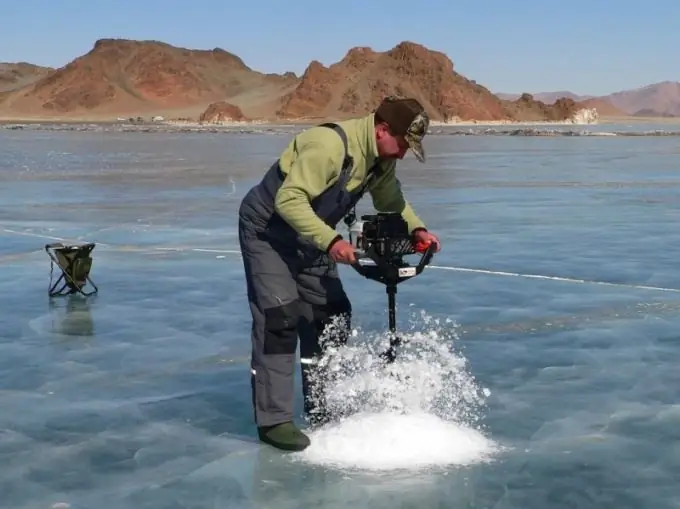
<point x="421" y="246"/>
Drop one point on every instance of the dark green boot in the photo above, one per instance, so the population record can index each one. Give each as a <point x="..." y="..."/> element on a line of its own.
<point x="285" y="436"/>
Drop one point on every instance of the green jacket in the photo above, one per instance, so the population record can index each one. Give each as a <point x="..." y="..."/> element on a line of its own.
<point x="312" y="162"/>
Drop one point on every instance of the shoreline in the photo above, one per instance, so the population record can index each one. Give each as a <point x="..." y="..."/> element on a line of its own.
<point x="600" y="121"/>
<point x="615" y="128"/>
<point x="312" y="121"/>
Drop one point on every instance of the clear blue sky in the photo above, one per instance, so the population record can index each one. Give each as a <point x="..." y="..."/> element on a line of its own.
<point x="594" y="47"/>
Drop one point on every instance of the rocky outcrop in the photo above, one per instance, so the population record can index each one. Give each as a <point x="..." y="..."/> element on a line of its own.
<point x="526" y="108"/>
<point x="584" y="116"/>
<point x="222" y="112"/>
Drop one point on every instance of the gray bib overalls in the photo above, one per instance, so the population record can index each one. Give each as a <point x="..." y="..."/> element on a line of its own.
<point x="293" y="289"/>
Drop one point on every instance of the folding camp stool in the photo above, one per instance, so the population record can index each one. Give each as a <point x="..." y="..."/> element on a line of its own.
<point x="75" y="263"/>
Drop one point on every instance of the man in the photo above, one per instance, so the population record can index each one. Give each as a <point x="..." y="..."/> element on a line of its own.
<point x="290" y="248"/>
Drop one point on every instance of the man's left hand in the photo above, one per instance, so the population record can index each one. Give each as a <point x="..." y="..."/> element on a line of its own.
<point x="426" y="238"/>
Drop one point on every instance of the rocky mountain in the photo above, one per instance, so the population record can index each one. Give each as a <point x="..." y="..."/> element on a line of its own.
<point x="357" y="83"/>
<point x="125" y="77"/>
<point x="120" y="77"/>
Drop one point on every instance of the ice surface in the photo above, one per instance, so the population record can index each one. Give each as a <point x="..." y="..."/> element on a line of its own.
<point x="511" y="393"/>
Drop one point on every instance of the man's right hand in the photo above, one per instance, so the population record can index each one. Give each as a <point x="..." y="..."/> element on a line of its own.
<point x="342" y="252"/>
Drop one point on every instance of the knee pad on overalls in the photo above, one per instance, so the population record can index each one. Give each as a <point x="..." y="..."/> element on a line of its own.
<point x="280" y="329"/>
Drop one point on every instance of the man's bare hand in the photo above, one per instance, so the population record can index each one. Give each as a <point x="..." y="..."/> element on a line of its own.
<point x="342" y="252"/>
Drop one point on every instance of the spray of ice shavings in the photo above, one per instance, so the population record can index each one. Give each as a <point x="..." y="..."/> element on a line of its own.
<point x="421" y="410"/>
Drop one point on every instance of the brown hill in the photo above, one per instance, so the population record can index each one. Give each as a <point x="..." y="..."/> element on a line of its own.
<point x="20" y="74"/>
<point x="658" y="99"/>
<point x="121" y="77"/>
<point x="124" y="77"/>
<point x="355" y="85"/>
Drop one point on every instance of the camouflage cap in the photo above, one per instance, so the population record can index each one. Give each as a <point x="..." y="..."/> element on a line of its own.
<point x="406" y="117"/>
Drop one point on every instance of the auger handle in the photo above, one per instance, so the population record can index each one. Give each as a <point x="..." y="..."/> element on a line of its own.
<point x="427" y="248"/>
<point x="380" y="270"/>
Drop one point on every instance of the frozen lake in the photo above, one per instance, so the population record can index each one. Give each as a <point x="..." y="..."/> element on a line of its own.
<point x="524" y="392"/>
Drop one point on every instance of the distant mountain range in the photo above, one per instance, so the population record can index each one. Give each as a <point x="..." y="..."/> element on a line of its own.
<point x="123" y="78"/>
<point x="655" y="100"/>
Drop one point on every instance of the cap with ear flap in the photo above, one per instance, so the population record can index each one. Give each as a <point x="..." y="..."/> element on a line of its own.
<point x="406" y="117"/>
